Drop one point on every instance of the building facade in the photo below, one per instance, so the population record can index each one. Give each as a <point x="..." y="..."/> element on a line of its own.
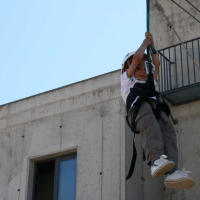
<point x="83" y="120"/>
<point x="74" y="142"/>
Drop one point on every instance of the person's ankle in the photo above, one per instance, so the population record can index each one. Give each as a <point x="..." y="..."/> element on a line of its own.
<point x="173" y="170"/>
<point x="153" y="160"/>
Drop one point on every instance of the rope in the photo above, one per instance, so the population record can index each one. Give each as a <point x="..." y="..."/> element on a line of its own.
<point x="185" y="10"/>
<point x="149" y="48"/>
<point x="148" y="15"/>
<point x="148" y="24"/>
<point x="193" y="6"/>
<point x="160" y="8"/>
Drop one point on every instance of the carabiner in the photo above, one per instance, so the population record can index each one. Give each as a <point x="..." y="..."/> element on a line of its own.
<point x="146" y="64"/>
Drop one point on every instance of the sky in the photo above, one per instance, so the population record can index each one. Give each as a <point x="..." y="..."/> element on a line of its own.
<point x="47" y="44"/>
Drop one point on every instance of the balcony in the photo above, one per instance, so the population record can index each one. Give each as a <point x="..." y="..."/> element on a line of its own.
<point x="179" y="75"/>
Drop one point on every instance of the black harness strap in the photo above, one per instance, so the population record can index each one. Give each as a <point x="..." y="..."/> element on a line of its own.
<point x="157" y="112"/>
<point x="132" y="166"/>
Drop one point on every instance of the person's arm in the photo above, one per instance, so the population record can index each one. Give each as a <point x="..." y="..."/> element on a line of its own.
<point x="138" y="56"/>
<point x="155" y="57"/>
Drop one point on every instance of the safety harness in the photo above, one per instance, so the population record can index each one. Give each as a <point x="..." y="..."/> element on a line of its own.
<point x="145" y="91"/>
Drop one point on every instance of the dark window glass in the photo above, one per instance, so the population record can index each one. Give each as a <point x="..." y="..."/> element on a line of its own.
<point x="56" y="179"/>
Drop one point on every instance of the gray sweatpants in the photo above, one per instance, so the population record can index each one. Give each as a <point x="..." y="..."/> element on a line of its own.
<point x="158" y="137"/>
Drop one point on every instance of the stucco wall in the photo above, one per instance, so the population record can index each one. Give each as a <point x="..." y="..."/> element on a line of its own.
<point x="87" y="118"/>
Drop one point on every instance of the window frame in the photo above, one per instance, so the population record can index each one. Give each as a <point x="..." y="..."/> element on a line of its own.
<point x="57" y="160"/>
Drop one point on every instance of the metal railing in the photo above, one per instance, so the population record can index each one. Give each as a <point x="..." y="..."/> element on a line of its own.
<point x="177" y="68"/>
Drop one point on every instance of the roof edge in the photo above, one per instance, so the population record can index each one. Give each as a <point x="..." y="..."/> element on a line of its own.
<point x="59" y="88"/>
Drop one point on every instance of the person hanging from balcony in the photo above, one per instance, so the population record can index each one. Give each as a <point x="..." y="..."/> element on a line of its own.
<point x="147" y="116"/>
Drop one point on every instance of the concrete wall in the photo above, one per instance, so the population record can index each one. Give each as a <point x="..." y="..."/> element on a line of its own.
<point x="142" y="185"/>
<point x="185" y="26"/>
<point x="86" y="118"/>
<point x="188" y="115"/>
<point x="178" y="27"/>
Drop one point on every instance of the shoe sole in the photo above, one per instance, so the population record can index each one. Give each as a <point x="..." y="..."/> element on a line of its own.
<point x="183" y="183"/>
<point x="163" y="169"/>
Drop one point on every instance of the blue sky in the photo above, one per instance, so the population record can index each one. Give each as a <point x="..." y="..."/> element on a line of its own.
<point x="49" y="44"/>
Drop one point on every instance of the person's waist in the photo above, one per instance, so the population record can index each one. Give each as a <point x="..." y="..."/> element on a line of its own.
<point x="152" y="99"/>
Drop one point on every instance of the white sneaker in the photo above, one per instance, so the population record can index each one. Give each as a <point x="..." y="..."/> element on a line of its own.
<point x="180" y="180"/>
<point x="161" y="166"/>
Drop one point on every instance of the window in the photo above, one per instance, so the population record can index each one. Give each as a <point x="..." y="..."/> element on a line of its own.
<point x="55" y="179"/>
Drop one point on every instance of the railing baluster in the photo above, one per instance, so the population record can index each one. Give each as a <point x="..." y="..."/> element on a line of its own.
<point x="176" y="78"/>
<point x="181" y="65"/>
<point x="164" y="72"/>
<point x="188" y="66"/>
<point x="193" y="62"/>
<point x="162" y="77"/>
<point x="159" y="74"/>
<point x="170" y="72"/>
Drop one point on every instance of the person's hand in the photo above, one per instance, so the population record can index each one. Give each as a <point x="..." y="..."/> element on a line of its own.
<point x="147" y="41"/>
<point x="149" y="36"/>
